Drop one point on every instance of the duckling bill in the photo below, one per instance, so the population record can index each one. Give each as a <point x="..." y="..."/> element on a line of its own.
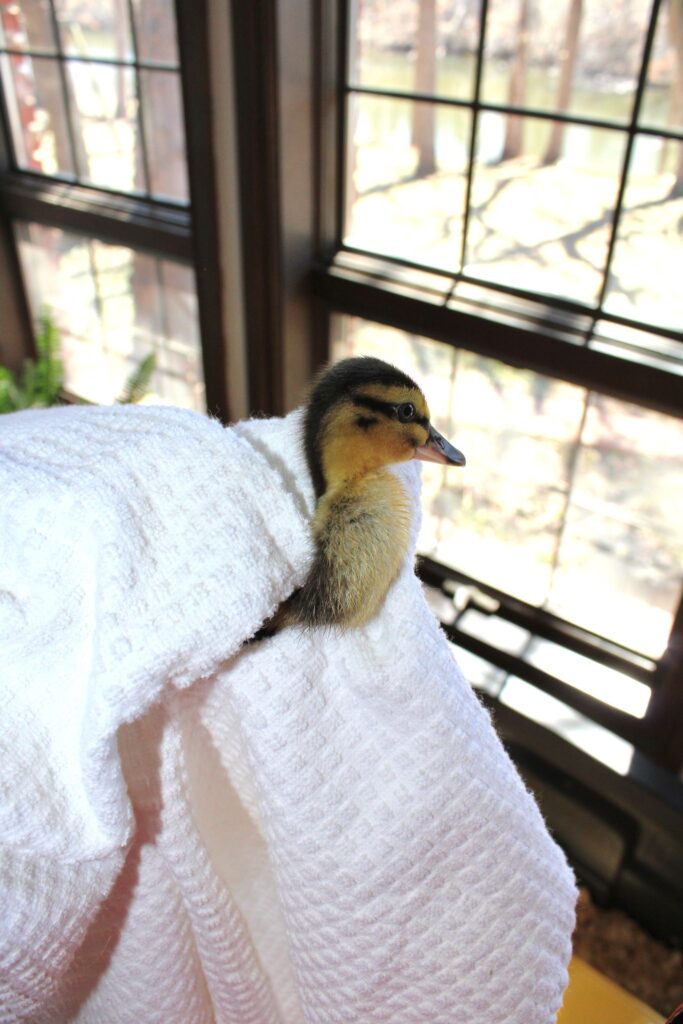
<point x="363" y="416"/>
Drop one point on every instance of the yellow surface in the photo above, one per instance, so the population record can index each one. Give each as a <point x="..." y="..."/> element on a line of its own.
<point x="591" y="998"/>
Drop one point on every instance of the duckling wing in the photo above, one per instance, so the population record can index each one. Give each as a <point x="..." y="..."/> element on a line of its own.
<point x="362" y="535"/>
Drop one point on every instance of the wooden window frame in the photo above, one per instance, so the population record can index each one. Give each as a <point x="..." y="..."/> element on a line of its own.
<point x="523" y="329"/>
<point x="186" y="233"/>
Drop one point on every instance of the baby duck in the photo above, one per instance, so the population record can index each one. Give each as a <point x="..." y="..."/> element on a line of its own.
<point x="363" y="415"/>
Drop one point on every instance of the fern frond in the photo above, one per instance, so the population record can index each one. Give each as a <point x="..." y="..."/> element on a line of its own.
<point x="137" y="385"/>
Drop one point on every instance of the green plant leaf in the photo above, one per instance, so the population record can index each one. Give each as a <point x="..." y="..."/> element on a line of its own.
<point x="49" y="368"/>
<point x="137" y="385"/>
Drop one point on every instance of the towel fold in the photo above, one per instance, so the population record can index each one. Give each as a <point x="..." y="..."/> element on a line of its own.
<point x="320" y="827"/>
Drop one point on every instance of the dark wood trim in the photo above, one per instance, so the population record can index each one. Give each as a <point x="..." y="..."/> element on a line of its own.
<point x="321" y="329"/>
<point x="296" y="113"/>
<point x="154" y="227"/>
<point x="254" y="26"/>
<point x="665" y="712"/>
<point x="328" y="115"/>
<point x="633" y="730"/>
<point x="541" y="622"/>
<point x="517" y="343"/>
<point x="193" y="44"/>
<point x="16" y="341"/>
<point x="331" y="50"/>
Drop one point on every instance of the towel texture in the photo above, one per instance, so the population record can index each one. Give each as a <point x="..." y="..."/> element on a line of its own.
<point x="321" y="828"/>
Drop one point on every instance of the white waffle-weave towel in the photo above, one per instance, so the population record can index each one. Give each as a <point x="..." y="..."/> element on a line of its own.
<point x="320" y="828"/>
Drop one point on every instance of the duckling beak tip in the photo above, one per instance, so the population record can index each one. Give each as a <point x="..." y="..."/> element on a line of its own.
<point x="438" y="449"/>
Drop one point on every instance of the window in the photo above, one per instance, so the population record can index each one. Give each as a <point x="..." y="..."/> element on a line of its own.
<point x="506" y="222"/>
<point x="110" y="205"/>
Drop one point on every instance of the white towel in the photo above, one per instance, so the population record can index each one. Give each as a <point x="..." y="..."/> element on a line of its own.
<point x="321" y="827"/>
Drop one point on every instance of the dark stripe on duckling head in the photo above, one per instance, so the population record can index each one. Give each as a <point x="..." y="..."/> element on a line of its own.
<point x="388" y="408"/>
<point x="333" y="385"/>
<point x="376" y="404"/>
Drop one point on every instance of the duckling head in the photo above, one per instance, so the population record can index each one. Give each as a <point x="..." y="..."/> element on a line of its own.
<point x="364" y="414"/>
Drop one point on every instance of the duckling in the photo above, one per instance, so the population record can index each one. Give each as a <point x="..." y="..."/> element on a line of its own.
<point x="363" y="416"/>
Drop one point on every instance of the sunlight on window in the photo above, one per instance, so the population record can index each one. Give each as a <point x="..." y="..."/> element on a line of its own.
<point x="544" y="190"/>
<point x="593" y="739"/>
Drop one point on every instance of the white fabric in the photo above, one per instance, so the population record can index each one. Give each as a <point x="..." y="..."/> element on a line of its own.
<point x="322" y="827"/>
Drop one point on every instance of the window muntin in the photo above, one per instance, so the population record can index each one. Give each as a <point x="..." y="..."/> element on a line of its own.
<point x="96" y="100"/>
<point x="571" y="125"/>
<point x="93" y="99"/>
<point x="662" y="105"/>
<point x="646" y="268"/>
<point x="543" y="228"/>
<point x="37" y="114"/>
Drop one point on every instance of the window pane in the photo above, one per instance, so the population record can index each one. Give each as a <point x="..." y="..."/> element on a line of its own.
<point x="662" y="105"/>
<point x="164" y="133"/>
<point x="114" y="306"/>
<point x="105" y="125"/>
<point x="406" y="180"/>
<point x="101" y="30"/>
<point x="416" y="46"/>
<point x="581" y="516"/>
<point x="156" y="31"/>
<point x="543" y="227"/>
<point x="565" y="56"/>
<point x="621" y="555"/>
<point x="647" y="265"/>
<point x="35" y="102"/>
<point x="26" y="25"/>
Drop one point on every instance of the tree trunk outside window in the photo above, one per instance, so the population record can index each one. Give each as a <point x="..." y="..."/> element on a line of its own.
<point x="567" y="65"/>
<point x="517" y="88"/>
<point x="425" y="82"/>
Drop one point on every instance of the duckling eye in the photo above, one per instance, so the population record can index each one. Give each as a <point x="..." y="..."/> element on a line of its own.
<point x="406" y="412"/>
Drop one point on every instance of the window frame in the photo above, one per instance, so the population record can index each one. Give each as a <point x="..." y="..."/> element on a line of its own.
<point x="523" y="329"/>
<point x="187" y="233"/>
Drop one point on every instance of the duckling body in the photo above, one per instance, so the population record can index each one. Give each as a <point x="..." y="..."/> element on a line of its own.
<point x="363" y="416"/>
<point x="361" y="529"/>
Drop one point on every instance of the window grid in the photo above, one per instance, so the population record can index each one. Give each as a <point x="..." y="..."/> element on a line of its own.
<point x="62" y="59"/>
<point x="477" y="106"/>
<point x="375" y="286"/>
<point x="179" y="227"/>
